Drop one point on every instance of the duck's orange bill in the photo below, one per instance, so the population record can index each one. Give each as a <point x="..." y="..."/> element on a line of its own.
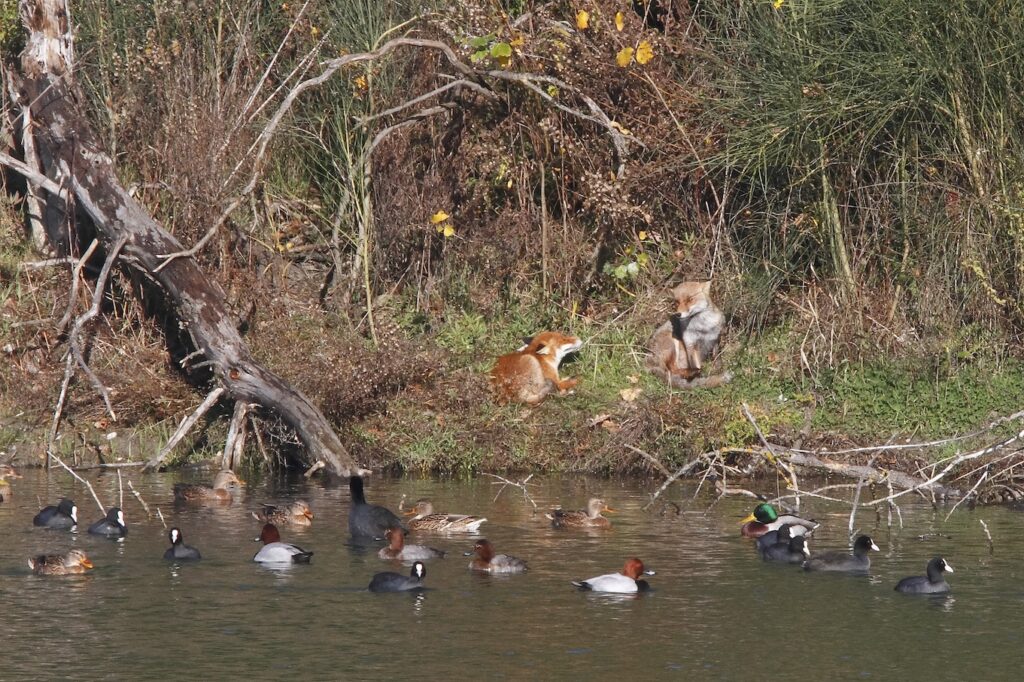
<point x="86" y="563"/>
<point x="609" y="510"/>
<point x="308" y="514"/>
<point x="411" y="512"/>
<point x="748" y="519"/>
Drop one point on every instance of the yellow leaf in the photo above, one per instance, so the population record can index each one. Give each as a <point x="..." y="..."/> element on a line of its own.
<point x="621" y="128"/>
<point x="518" y="41"/>
<point x="642" y="235"/>
<point x="583" y="20"/>
<point x="448" y="231"/>
<point x="624" y="57"/>
<point x="620" y="21"/>
<point x="777" y="3"/>
<point x="439" y="217"/>
<point x="644" y="53"/>
<point x="630" y="394"/>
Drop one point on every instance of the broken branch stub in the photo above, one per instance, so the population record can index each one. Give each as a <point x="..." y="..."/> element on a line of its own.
<point x="72" y="156"/>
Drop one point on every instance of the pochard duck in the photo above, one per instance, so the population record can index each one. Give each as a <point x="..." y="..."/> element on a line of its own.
<point x="486" y="560"/>
<point x="626" y="582"/>
<point x="276" y="552"/>
<point x="397" y="549"/>
<point x="62" y="516"/>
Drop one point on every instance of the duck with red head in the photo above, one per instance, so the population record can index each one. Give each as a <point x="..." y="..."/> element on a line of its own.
<point x="397" y="549"/>
<point x="626" y="582"/>
<point x="486" y="560"/>
<point x="276" y="552"/>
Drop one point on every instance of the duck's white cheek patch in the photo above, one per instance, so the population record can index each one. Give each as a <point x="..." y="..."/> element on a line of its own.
<point x="74" y="514"/>
<point x="174" y="536"/>
<point x="120" y="518"/>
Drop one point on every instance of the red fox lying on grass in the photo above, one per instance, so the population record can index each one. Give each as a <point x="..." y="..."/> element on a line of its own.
<point x="530" y="374"/>
<point x="680" y="346"/>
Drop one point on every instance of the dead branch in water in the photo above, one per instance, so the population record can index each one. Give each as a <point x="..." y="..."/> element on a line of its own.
<point x="186" y="425"/>
<point x="898" y="483"/>
<point x="88" y="485"/>
<point x="504" y="483"/>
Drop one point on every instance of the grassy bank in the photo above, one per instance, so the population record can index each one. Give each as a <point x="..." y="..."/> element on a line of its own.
<point x="848" y="173"/>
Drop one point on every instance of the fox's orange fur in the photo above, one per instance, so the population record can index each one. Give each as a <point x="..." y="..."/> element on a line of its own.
<point x="530" y="374"/>
<point x="679" y="357"/>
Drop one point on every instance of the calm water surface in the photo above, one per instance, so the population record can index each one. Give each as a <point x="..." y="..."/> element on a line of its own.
<point x="717" y="612"/>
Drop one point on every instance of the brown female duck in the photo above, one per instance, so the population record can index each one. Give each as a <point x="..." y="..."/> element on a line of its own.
<point x="589" y="518"/>
<point x="223" y="484"/>
<point x="425" y="519"/>
<point x="6" y="472"/>
<point x="297" y="513"/>
<point x="74" y="561"/>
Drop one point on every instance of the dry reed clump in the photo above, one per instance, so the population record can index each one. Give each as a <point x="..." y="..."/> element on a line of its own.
<point x="335" y="366"/>
<point x="532" y="190"/>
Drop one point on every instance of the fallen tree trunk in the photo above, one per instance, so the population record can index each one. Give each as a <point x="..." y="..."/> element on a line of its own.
<point x="71" y="157"/>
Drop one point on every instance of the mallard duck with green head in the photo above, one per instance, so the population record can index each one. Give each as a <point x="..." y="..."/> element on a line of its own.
<point x="765" y="519"/>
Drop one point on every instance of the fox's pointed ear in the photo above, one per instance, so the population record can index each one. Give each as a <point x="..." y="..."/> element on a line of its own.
<point x="705" y="287"/>
<point x="543" y="350"/>
<point x="527" y="340"/>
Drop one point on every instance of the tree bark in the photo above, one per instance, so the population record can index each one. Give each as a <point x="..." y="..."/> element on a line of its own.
<point x="71" y="155"/>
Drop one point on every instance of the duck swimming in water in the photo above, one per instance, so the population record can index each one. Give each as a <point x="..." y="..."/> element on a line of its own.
<point x="625" y="582"/>
<point x="424" y="519"/>
<point x="765" y="519"/>
<point x="589" y="518"/>
<point x="63" y="516"/>
<point x="179" y="551"/>
<point x="6" y="472"/>
<point x="223" y="483"/>
<point x="74" y="561"/>
<point x="297" y="513"/>
<point x="368" y="521"/>
<point x="111" y="526"/>
<point x="397" y="549"/>
<point x="933" y="583"/>
<point x="790" y="550"/>
<point x="276" y="552"/>
<point x="396" y="582"/>
<point x="858" y="562"/>
<point x="486" y="560"/>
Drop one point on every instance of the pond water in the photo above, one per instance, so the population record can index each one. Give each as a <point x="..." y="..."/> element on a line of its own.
<point x="716" y="611"/>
